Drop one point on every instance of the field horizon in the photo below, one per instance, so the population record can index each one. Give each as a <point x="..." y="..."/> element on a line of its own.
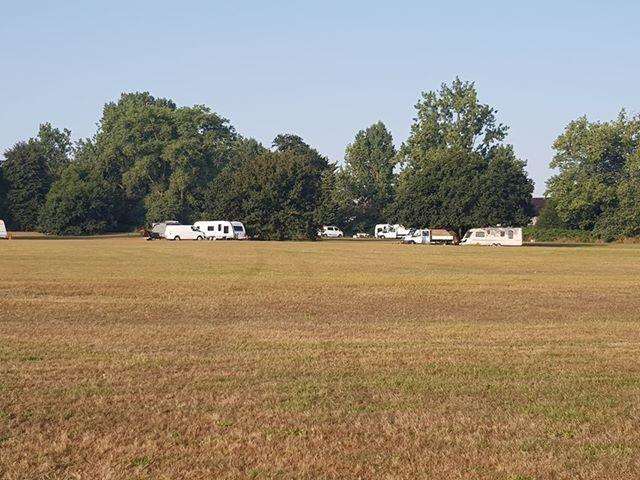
<point x="121" y="358"/>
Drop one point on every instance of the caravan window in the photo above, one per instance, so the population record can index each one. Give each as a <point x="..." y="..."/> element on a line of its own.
<point x="210" y="228"/>
<point x="480" y="234"/>
<point x="226" y="229"/>
<point x="219" y="227"/>
<point x="237" y="228"/>
<point x="511" y="234"/>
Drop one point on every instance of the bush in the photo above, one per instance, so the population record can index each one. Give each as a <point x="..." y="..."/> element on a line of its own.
<point x="562" y="235"/>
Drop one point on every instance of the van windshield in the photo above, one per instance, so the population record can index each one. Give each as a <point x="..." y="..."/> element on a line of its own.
<point x="238" y="228"/>
<point x="468" y="234"/>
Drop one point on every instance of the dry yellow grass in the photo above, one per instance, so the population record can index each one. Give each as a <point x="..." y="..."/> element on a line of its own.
<point x="122" y="358"/>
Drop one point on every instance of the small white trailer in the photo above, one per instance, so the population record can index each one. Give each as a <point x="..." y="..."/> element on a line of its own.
<point x="496" y="236"/>
<point x="183" y="232"/>
<point x="430" y="236"/>
<point x="3" y="230"/>
<point x="385" y="230"/>
<point x="222" y="230"/>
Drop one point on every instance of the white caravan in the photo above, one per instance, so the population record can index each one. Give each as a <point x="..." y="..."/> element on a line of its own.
<point x="222" y="230"/>
<point x="329" y="231"/>
<point x="183" y="232"/>
<point x="3" y="230"/>
<point x="384" y="230"/>
<point x="493" y="236"/>
<point x="429" y="236"/>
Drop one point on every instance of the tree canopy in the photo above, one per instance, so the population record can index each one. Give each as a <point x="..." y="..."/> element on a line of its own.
<point x="365" y="185"/>
<point x="598" y="176"/>
<point x="457" y="172"/>
<point x="277" y="194"/>
<point x="28" y="171"/>
<point x="151" y="160"/>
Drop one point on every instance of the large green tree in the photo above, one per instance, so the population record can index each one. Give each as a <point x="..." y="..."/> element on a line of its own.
<point x="80" y="203"/>
<point x="457" y="171"/>
<point x="598" y="173"/>
<point x="159" y="157"/>
<point x="366" y="182"/>
<point x="29" y="169"/>
<point x="276" y="194"/>
<point x="3" y="197"/>
<point x="28" y="181"/>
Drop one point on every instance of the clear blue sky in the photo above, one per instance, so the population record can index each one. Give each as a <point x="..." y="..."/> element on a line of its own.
<point x="323" y="71"/>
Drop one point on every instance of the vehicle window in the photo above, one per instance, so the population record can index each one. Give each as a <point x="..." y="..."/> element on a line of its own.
<point x="480" y="234"/>
<point x="210" y="228"/>
<point x="511" y="234"/>
<point x="226" y="229"/>
<point x="219" y="227"/>
<point x="238" y="228"/>
<point x="502" y="233"/>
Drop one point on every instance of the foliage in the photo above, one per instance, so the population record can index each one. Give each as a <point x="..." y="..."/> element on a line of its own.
<point x="3" y="196"/>
<point x="366" y="182"/>
<point x="276" y="194"/>
<point x="29" y="169"/>
<point x="57" y="146"/>
<point x="162" y="157"/>
<point x="548" y="217"/>
<point x="597" y="184"/>
<point x="457" y="172"/>
<point x="542" y="234"/>
<point x="28" y="179"/>
<point x="80" y="203"/>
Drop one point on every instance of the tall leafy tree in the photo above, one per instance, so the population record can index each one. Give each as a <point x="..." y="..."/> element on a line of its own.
<point x="29" y="169"/>
<point x="457" y="171"/>
<point x="161" y="158"/>
<point x="367" y="178"/>
<point x="3" y="197"/>
<point x="276" y="194"/>
<point x="28" y="178"/>
<point x="598" y="174"/>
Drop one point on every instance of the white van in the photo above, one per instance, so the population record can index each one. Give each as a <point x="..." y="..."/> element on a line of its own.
<point x="493" y="236"/>
<point x="183" y="232"/>
<point x="3" y="230"/>
<point x="222" y="230"/>
<point x="384" y="230"/>
<point x="330" y="231"/>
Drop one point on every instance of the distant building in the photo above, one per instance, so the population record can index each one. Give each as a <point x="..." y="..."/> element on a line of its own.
<point x="537" y="203"/>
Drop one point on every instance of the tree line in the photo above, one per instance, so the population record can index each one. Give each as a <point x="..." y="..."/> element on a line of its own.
<point x="151" y="160"/>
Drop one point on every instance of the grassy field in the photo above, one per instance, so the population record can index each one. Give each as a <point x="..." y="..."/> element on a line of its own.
<point x="122" y="358"/>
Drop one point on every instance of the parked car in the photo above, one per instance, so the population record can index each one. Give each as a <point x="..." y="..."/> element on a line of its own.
<point x="183" y="232"/>
<point x="329" y="231"/>
<point x="222" y="230"/>
<point x="385" y="230"/>
<point x="493" y="236"/>
<point x="3" y="230"/>
<point x="430" y="236"/>
<point x="158" y="229"/>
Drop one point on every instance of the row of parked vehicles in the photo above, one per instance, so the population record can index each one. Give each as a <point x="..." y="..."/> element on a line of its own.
<point x="476" y="236"/>
<point x="204" y="230"/>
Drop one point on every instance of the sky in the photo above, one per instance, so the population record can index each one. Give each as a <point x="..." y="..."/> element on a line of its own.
<point x="322" y="70"/>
